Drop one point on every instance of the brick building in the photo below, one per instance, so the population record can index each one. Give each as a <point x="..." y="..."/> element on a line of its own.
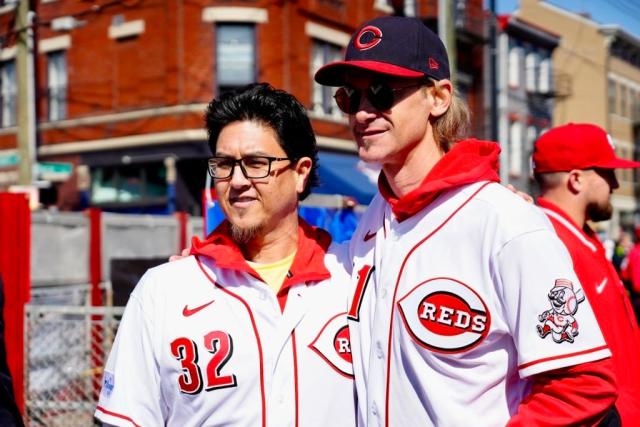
<point x="122" y="86"/>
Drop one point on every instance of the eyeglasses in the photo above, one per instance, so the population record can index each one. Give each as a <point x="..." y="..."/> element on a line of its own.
<point x="251" y="166"/>
<point x="380" y="95"/>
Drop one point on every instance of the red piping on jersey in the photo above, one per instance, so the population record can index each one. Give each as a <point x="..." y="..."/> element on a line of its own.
<point x="564" y="356"/>
<point x="115" y="414"/>
<point x="255" y="331"/>
<point x="307" y="266"/>
<point x="467" y="162"/>
<point x="395" y="292"/>
<point x="295" y="374"/>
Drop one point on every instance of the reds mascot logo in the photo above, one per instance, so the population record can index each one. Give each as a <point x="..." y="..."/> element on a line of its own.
<point x="445" y="315"/>
<point x="333" y="345"/>
<point x="559" y="321"/>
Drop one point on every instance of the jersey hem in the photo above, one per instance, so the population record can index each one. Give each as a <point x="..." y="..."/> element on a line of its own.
<point x="110" y="417"/>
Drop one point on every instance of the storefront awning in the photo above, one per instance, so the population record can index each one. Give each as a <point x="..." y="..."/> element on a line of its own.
<point x="345" y="174"/>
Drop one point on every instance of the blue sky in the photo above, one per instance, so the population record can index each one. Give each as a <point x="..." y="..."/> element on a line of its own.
<point x="625" y="13"/>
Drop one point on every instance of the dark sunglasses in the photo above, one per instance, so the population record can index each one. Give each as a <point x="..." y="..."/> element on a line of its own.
<point x="380" y="95"/>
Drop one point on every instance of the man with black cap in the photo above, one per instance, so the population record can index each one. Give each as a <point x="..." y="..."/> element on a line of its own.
<point x="452" y="273"/>
<point x="574" y="166"/>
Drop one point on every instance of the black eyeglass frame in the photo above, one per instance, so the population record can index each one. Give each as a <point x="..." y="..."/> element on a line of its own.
<point x="380" y="95"/>
<point x="270" y="159"/>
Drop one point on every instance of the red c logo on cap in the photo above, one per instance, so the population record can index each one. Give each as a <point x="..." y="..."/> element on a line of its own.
<point x="376" y="37"/>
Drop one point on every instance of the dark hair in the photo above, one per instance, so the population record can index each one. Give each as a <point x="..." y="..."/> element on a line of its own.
<point x="277" y="109"/>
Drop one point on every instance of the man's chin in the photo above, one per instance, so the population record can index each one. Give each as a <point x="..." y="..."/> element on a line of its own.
<point x="243" y="235"/>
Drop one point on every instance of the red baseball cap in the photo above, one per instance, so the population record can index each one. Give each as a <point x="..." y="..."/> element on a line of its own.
<point x="576" y="146"/>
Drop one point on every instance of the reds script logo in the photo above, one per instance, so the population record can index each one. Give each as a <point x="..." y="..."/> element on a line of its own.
<point x="559" y="321"/>
<point x="368" y="37"/>
<point x="333" y="345"/>
<point x="445" y="315"/>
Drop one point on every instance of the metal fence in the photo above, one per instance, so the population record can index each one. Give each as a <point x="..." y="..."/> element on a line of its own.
<point x="66" y="348"/>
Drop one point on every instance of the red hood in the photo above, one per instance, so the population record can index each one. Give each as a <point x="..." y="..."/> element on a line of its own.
<point x="308" y="264"/>
<point x="467" y="162"/>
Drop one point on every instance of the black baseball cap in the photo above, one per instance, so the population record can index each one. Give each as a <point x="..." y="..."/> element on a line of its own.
<point x="391" y="45"/>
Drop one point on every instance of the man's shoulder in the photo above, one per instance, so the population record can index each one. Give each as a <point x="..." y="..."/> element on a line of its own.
<point x="493" y="202"/>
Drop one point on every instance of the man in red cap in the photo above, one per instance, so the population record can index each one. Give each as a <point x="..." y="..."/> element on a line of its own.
<point x="451" y="271"/>
<point x="574" y="166"/>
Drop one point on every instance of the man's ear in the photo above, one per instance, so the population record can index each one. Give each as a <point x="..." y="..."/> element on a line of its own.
<point x="442" y="95"/>
<point x="576" y="181"/>
<point x="303" y="170"/>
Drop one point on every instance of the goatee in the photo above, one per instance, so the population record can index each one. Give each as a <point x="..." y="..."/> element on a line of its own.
<point x="244" y="235"/>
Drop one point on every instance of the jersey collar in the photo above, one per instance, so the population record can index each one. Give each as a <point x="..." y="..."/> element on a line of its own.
<point x="308" y="264"/>
<point x="467" y="162"/>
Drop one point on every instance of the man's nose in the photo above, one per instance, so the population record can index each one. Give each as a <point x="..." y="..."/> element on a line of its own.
<point x="238" y="178"/>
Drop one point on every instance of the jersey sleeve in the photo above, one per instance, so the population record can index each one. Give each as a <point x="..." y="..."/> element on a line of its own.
<point x="550" y="318"/>
<point x="130" y="394"/>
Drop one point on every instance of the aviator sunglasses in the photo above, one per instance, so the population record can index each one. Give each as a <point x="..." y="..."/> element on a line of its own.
<point x="380" y="95"/>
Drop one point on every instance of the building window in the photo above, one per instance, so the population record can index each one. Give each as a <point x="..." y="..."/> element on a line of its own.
<point x="8" y="92"/>
<point x="545" y="84"/>
<point x="514" y="66"/>
<point x="515" y="149"/>
<point x="612" y="96"/>
<point x="531" y="64"/>
<point x="235" y="56"/>
<point x="623" y="100"/>
<point x="135" y="184"/>
<point x="322" y="98"/>
<point x="57" y="84"/>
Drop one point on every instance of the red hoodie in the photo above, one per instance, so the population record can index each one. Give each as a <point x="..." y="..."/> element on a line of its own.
<point x="578" y="395"/>
<point x="308" y="264"/>
<point x="467" y="162"/>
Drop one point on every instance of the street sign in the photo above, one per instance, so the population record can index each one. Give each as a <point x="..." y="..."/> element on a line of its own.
<point x="54" y="171"/>
<point x="9" y="159"/>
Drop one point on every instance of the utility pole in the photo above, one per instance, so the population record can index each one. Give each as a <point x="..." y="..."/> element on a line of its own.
<point x="493" y="70"/>
<point x="25" y="97"/>
<point x="446" y="31"/>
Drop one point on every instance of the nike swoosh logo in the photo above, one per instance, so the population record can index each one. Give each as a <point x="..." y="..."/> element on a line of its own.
<point x="369" y="236"/>
<point x="186" y="311"/>
<point x="601" y="286"/>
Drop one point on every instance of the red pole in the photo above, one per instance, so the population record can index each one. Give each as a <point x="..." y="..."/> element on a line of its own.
<point x="15" y="267"/>
<point x="95" y="255"/>
<point x="183" y="222"/>
<point x="97" y="354"/>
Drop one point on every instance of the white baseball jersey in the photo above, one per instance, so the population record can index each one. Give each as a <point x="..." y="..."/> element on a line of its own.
<point x="201" y="345"/>
<point x="447" y="317"/>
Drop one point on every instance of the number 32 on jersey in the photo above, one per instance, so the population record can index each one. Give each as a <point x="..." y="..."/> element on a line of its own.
<point x="220" y="345"/>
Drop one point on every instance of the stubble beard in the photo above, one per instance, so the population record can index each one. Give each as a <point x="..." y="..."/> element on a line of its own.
<point x="599" y="212"/>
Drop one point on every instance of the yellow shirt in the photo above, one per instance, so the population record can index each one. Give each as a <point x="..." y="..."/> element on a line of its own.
<point x="274" y="273"/>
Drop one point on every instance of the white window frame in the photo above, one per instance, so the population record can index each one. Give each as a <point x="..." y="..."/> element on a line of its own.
<point x="9" y="93"/>
<point x="222" y="85"/>
<point x="322" y="103"/>
<point x="57" y="85"/>
<point x="515" y="148"/>
<point x="513" y="73"/>
<point x="545" y="83"/>
<point x="532" y="62"/>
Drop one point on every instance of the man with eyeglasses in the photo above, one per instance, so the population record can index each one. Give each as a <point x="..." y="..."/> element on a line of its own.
<point x="452" y="273"/>
<point x="574" y="165"/>
<point x="251" y="330"/>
